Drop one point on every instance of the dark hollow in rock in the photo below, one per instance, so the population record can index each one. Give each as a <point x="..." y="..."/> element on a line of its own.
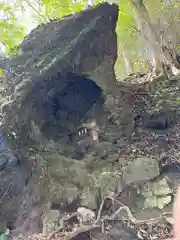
<point x="65" y="108"/>
<point x="76" y="98"/>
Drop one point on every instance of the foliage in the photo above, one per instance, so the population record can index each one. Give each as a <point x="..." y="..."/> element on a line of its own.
<point x="58" y="9"/>
<point x="129" y="39"/>
<point x="127" y="34"/>
<point x="12" y="32"/>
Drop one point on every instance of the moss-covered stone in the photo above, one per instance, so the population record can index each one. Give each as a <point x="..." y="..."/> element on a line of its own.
<point x="161" y="188"/>
<point x="101" y="185"/>
<point x="141" y="169"/>
<point x="163" y="201"/>
<point x="68" y="170"/>
<point x="156" y="193"/>
<point x="151" y="202"/>
<point x="89" y="198"/>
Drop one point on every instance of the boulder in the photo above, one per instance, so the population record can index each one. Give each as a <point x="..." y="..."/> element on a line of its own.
<point x="61" y="70"/>
<point x="141" y="169"/>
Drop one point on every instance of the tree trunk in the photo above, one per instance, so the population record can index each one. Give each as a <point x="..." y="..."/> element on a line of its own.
<point x="128" y="66"/>
<point x="171" y="54"/>
<point x="149" y="35"/>
<point x="164" y="60"/>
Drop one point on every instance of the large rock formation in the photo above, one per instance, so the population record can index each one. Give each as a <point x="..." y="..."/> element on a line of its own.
<point x="82" y="136"/>
<point x="61" y="72"/>
<point x="47" y="82"/>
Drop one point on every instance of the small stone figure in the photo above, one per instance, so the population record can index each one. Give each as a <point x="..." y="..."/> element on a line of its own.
<point x="91" y="140"/>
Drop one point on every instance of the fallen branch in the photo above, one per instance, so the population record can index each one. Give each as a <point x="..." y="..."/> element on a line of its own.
<point x="125" y="208"/>
<point x="121" y="208"/>
<point x="112" y="217"/>
<point x="100" y="211"/>
<point x="62" y="221"/>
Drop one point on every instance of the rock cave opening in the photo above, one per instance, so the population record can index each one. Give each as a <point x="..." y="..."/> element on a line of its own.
<point x="62" y="103"/>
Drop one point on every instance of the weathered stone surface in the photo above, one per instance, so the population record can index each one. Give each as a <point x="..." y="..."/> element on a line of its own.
<point x="141" y="169"/>
<point x="51" y="49"/>
<point x="68" y="170"/>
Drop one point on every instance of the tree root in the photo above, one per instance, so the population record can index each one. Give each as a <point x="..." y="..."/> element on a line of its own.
<point x="100" y="221"/>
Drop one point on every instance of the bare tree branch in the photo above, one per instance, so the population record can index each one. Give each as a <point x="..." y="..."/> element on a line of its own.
<point x="30" y="5"/>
